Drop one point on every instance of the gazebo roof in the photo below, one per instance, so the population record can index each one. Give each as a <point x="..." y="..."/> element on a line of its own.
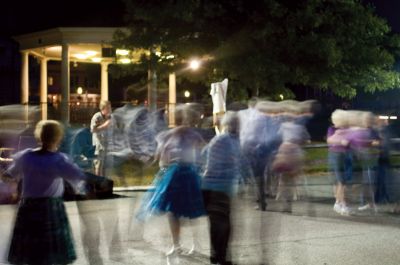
<point x="85" y="44"/>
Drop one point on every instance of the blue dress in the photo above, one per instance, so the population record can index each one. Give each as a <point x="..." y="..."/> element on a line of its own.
<point x="177" y="190"/>
<point x="177" y="187"/>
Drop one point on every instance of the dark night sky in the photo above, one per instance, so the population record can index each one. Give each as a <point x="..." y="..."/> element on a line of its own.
<point x="19" y="17"/>
<point x="389" y="10"/>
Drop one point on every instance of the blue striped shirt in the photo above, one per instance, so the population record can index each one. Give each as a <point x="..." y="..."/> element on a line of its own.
<point x="222" y="166"/>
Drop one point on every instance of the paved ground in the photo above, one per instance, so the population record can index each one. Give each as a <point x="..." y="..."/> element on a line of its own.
<point x="311" y="234"/>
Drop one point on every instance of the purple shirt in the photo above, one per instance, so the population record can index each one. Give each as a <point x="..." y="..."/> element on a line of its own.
<point x="337" y="135"/>
<point x="43" y="172"/>
<point x="361" y="138"/>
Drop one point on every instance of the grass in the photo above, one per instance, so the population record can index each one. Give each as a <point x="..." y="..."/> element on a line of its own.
<point x="134" y="175"/>
<point x="316" y="162"/>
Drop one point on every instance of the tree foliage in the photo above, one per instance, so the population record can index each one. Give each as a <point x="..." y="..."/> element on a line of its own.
<point x="266" y="46"/>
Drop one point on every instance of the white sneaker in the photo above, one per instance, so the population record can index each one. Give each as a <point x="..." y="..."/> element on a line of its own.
<point x="337" y="207"/>
<point x="191" y="252"/>
<point x="365" y="207"/>
<point x="346" y="211"/>
<point x="368" y="207"/>
<point x="175" y="250"/>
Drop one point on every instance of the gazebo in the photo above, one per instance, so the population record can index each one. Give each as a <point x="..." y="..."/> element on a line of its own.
<point x="86" y="45"/>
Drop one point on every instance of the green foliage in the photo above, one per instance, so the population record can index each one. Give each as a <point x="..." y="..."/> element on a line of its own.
<point x="267" y="46"/>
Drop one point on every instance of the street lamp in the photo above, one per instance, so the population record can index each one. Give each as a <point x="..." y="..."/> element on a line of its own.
<point x="194" y="64"/>
<point x="79" y="91"/>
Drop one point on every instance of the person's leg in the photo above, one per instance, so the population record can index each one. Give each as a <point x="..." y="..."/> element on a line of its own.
<point x="261" y="192"/>
<point x="333" y="162"/>
<point x="371" y="186"/>
<point x="220" y="227"/>
<point x="368" y="190"/>
<point x="175" y="228"/>
<point x="213" y="230"/>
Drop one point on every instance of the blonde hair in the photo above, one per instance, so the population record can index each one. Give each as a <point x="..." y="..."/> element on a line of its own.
<point x="368" y="120"/>
<point x="48" y="132"/>
<point x="340" y="118"/>
<point x="103" y="104"/>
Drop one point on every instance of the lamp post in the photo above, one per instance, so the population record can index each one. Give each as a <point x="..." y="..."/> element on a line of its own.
<point x="193" y="65"/>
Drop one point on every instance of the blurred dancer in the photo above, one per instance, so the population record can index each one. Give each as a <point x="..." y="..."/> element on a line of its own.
<point x="340" y="159"/>
<point x="177" y="190"/>
<point x="364" y="142"/>
<point x="289" y="160"/>
<point x="101" y="127"/>
<point x="220" y="183"/>
<point x="42" y="233"/>
<point x="259" y="140"/>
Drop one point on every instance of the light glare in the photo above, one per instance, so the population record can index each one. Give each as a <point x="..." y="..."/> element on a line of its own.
<point x="79" y="90"/>
<point x="122" y="52"/>
<point x="125" y="60"/>
<point x="194" y="64"/>
<point x="81" y="56"/>
<point x="96" y="59"/>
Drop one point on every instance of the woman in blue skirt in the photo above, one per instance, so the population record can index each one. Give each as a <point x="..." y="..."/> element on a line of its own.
<point x="177" y="189"/>
<point x="42" y="233"/>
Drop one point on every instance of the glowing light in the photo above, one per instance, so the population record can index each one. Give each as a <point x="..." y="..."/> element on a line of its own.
<point x="384" y="117"/>
<point x="78" y="103"/>
<point x="194" y="64"/>
<point x="90" y="53"/>
<point x="96" y="59"/>
<point x="79" y="90"/>
<point x="158" y="54"/>
<point x="187" y="94"/>
<point x="170" y="56"/>
<point x="281" y="96"/>
<point x="122" y="52"/>
<point x="125" y="60"/>
<point x="54" y="48"/>
<point x="393" y="117"/>
<point x="81" y="56"/>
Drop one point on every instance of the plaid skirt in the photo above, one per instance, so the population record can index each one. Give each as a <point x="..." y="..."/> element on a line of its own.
<point x="42" y="234"/>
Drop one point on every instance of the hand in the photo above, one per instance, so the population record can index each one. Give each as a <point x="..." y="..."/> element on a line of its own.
<point x="81" y="189"/>
<point x="106" y="123"/>
<point x="375" y="143"/>
<point x="344" y="142"/>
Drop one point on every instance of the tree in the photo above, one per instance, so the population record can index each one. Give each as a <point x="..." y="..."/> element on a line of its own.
<point x="268" y="46"/>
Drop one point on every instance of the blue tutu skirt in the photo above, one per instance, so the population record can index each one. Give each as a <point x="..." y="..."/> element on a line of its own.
<point x="177" y="189"/>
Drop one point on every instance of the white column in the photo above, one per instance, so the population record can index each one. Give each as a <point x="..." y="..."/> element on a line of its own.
<point x="43" y="87"/>
<point x="24" y="77"/>
<point x="152" y="89"/>
<point x="104" y="81"/>
<point x="65" y="84"/>
<point x="172" y="99"/>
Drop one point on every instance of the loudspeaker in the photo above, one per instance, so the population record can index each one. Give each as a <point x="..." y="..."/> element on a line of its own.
<point x="107" y="52"/>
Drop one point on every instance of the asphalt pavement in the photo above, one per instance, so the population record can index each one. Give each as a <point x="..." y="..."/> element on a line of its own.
<point x="107" y="232"/>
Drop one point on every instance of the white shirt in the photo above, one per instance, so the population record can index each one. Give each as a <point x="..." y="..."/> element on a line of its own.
<point x="218" y="95"/>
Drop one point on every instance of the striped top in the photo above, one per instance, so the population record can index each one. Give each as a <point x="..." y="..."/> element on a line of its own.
<point x="222" y="168"/>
